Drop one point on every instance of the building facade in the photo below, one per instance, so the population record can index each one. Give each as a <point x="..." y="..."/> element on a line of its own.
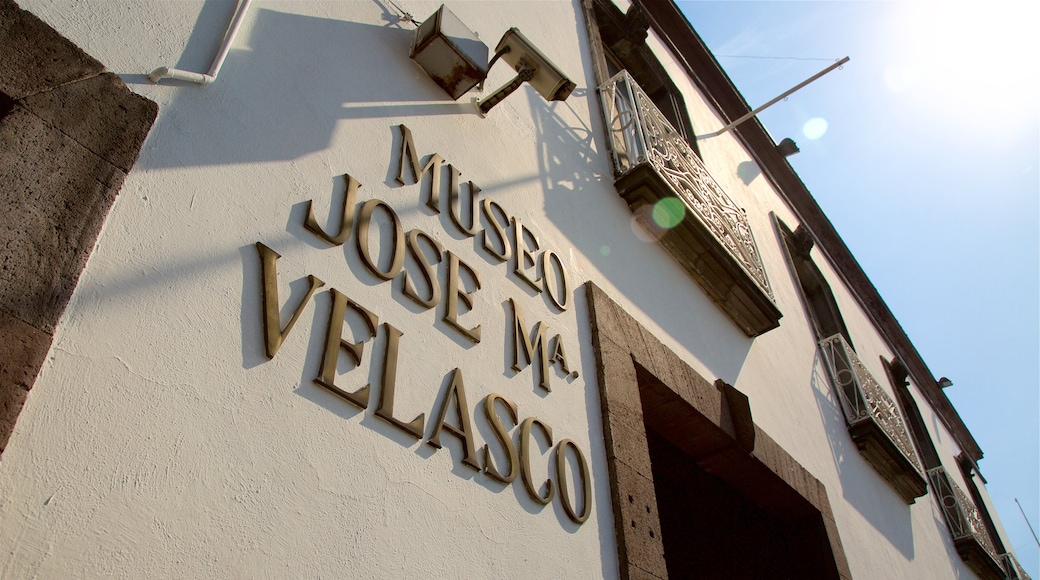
<point x="323" y="316"/>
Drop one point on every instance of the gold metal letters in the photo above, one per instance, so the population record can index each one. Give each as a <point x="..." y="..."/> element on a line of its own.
<point x="346" y="222"/>
<point x="524" y="259"/>
<point x="274" y="334"/>
<point x="563" y="299"/>
<point x="334" y="342"/>
<point x="558" y="356"/>
<point x="455" y="204"/>
<point x="544" y="272"/>
<point x="455" y="293"/>
<point x="433" y="165"/>
<point x="397" y="245"/>
<point x="528" y="346"/>
<point x="456" y="391"/>
<point x="525" y="461"/>
<point x="503" y="437"/>
<point x="386" y="396"/>
<point x="549" y="277"/>
<point x="561" y="477"/>
<point x="488" y="205"/>
<point x="429" y="272"/>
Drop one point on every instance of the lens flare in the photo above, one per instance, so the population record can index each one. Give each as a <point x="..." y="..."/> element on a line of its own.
<point x="643" y="225"/>
<point x="668" y="212"/>
<point x="815" y="128"/>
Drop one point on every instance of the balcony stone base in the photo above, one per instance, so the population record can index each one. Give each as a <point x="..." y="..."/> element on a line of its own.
<point x="978" y="559"/>
<point x="877" y="448"/>
<point x="703" y="257"/>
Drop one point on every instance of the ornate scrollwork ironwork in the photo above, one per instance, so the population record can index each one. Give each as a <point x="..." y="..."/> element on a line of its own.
<point x="862" y="398"/>
<point x="962" y="516"/>
<point x="640" y="133"/>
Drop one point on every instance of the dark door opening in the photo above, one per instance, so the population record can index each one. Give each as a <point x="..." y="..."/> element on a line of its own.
<point x="710" y="530"/>
<point x="698" y="490"/>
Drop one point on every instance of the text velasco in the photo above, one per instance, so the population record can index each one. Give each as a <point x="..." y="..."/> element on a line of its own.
<point x="505" y="239"/>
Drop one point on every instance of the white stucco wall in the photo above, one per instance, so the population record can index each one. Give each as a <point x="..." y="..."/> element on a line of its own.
<point x="159" y="440"/>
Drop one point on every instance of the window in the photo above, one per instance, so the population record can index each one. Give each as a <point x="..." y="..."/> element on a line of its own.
<point x="899" y="377"/>
<point x="875" y="423"/>
<point x="658" y="170"/>
<point x="969" y="470"/>
<point x="969" y="524"/>
<point x="819" y="300"/>
<point x="623" y="37"/>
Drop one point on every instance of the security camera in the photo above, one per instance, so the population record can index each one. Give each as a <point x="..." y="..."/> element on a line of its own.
<point x="531" y="66"/>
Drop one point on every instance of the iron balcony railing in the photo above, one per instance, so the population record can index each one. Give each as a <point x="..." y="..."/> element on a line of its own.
<point x="962" y="516"/>
<point x="641" y="134"/>
<point x="862" y="399"/>
<point x="1012" y="569"/>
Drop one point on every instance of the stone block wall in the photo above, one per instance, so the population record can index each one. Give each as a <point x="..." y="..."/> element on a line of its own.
<point x="69" y="134"/>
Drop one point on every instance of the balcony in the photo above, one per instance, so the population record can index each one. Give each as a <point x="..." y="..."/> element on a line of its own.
<point x="874" y="421"/>
<point x="712" y="239"/>
<point x="1012" y="569"/>
<point x="966" y="528"/>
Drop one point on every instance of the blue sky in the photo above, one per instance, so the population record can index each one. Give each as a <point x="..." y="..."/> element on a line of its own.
<point x="923" y="151"/>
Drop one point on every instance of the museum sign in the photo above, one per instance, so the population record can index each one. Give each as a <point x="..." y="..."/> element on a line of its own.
<point x="504" y="239"/>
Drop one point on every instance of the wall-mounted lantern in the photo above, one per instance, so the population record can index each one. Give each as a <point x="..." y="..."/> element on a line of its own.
<point x="457" y="60"/>
<point x="450" y="53"/>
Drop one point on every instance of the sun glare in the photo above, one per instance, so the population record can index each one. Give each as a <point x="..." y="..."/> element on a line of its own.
<point x="961" y="56"/>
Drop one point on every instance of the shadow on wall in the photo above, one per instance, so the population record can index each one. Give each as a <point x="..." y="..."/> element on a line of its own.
<point x="747" y="171"/>
<point x="861" y="486"/>
<point x="286" y="87"/>
<point x="575" y="172"/>
<point x="263" y="113"/>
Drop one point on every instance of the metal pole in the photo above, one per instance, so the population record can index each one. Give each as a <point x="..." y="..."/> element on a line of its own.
<point x="776" y="100"/>
<point x="1027" y="522"/>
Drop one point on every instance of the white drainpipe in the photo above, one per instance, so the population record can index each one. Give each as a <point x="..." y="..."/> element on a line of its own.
<point x="164" y="72"/>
